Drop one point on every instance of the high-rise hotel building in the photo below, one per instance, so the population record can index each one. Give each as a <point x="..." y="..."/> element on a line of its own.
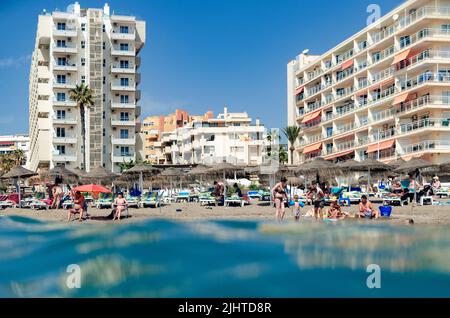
<point x="101" y="50"/>
<point x="383" y="93"/>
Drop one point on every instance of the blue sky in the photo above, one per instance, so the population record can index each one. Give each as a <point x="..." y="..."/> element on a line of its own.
<point x="200" y="54"/>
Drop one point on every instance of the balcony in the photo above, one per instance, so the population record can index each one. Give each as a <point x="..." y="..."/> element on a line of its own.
<point x="64" y="103"/>
<point x="63" y="85"/>
<point x="65" y="158"/>
<point x="428" y="145"/>
<point x="67" y="67"/>
<point x="121" y="87"/>
<point x="67" y="49"/>
<point x="125" y="157"/>
<point x="118" y="69"/>
<point x="65" y="140"/>
<point x="117" y="35"/>
<point x="67" y="120"/>
<point x="429" y="123"/>
<point x="123" y="122"/>
<point x="70" y="32"/>
<point x="118" y="51"/>
<point x="122" y="105"/>
<point x="131" y="141"/>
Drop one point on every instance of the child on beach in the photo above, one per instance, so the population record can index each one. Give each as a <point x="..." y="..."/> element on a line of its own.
<point x="296" y="207"/>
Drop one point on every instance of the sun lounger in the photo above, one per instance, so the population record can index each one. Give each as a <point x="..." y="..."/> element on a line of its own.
<point x="234" y="199"/>
<point x="40" y="205"/>
<point x="394" y="200"/>
<point x="104" y="201"/>
<point x="254" y="195"/>
<point x="207" y="199"/>
<point x="68" y="204"/>
<point x="132" y="201"/>
<point x="182" y="196"/>
<point x="353" y="196"/>
<point x="152" y="199"/>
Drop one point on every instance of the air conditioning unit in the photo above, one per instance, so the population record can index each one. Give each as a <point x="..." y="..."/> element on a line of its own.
<point x="69" y="39"/>
<point x="114" y="128"/>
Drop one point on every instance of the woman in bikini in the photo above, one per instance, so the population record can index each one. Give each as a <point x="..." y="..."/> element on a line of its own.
<point x="279" y="194"/>
<point x="121" y="204"/>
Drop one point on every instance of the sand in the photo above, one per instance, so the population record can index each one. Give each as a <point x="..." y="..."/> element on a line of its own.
<point x="257" y="211"/>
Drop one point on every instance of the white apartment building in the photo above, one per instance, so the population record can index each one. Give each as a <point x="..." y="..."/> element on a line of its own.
<point x="101" y="50"/>
<point x="8" y="144"/>
<point x="384" y="92"/>
<point x="230" y="137"/>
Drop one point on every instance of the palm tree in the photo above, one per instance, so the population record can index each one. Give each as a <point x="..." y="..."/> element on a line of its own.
<point x="6" y="163"/>
<point x="292" y="133"/>
<point x="82" y="95"/>
<point x="283" y="155"/>
<point x="18" y="156"/>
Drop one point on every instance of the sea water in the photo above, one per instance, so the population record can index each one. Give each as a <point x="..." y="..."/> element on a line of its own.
<point x="222" y="259"/>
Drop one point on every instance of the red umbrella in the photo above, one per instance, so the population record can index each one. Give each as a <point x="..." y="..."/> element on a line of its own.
<point x="93" y="188"/>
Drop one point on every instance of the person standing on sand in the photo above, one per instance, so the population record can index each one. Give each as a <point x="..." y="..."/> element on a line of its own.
<point x="316" y="195"/>
<point x="57" y="194"/>
<point x="78" y="207"/>
<point x="279" y="194"/>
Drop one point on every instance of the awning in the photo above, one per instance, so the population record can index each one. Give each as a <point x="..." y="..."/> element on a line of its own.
<point x="340" y="155"/>
<point x="311" y="117"/>
<point x="401" y="57"/>
<point x="347" y="64"/>
<point x="401" y="99"/>
<point x="299" y="90"/>
<point x="381" y="146"/>
<point x="312" y="148"/>
<point x="385" y="83"/>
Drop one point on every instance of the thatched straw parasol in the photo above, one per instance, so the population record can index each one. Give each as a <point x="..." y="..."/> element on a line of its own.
<point x="142" y="170"/>
<point x="414" y="165"/>
<point x="17" y="173"/>
<point x="62" y="172"/>
<point x="370" y="165"/>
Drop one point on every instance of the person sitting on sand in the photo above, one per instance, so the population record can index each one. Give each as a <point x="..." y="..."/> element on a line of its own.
<point x="335" y="211"/>
<point x="120" y="204"/>
<point x="79" y="202"/>
<point x="366" y="209"/>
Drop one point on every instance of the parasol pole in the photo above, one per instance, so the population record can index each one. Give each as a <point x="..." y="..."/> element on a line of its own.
<point x="18" y="185"/>
<point x="141" y="182"/>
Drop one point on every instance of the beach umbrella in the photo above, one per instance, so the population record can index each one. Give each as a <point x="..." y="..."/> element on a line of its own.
<point x="397" y="163"/>
<point x="142" y="169"/>
<point x="18" y="172"/>
<point x="92" y="188"/>
<point x="225" y="168"/>
<point x="199" y="170"/>
<point x="345" y="166"/>
<point x="370" y="165"/>
<point x="172" y="173"/>
<point x="318" y="167"/>
<point x="100" y="173"/>
<point x="62" y="172"/>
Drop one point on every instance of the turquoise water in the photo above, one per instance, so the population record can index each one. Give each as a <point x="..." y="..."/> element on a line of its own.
<point x="222" y="259"/>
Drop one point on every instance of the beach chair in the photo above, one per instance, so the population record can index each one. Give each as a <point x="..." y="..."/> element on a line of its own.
<point x="393" y="200"/>
<point x="265" y="196"/>
<point x="133" y="201"/>
<point x="105" y="200"/>
<point x="68" y="204"/>
<point x="235" y="200"/>
<point x="254" y="195"/>
<point x="182" y="196"/>
<point x="207" y="199"/>
<point x="152" y="199"/>
<point x="41" y="204"/>
<point x="5" y="202"/>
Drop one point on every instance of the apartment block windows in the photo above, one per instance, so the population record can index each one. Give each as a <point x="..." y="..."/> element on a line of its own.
<point x="124" y="151"/>
<point x="61" y="97"/>
<point x="60" y="114"/>
<point x="405" y="41"/>
<point x="62" y="61"/>
<point x="104" y="46"/>
<point x="362" y="45"/>
<point x="83" y="79"/>
<point x="124" y="99"/>
<point x="60" y="132"/>
<point x="61" y="26"/>
<point x="445" y="28"/>
<point x="124" y="134"/>
<point x="104" y="62"/>
<point x="104" y="80"/>
<point x="124" y="116"/>
<point x="83" y="61"/>
<point x="124" y="47"/>
<point x="124" y="64"/>
<point x="61" y="79"/>
<point x="83" y="26"/>
<point x="104" y="99"/>
<point x="104" y="133"/>
<point x="83" y="44"/>
<point x="124" y="81"/>
<point x="124" y="29"/>
<point x="104" y="28"/>
<point x="446" y="97"/>
<point x="61" y="43"/>
<point x="61" y="149"/>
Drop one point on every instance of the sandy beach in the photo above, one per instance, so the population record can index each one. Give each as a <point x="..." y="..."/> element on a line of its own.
<point x="258" y="211"/>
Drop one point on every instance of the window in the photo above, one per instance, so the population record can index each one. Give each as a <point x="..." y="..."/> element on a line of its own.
<point x="124" y="64"/>
<point x="445" y="28"/>
<point x="124" y="82"/>
<point x="446" y="98"/>
<point x="405" y="41"/>
<point x="61" y="79"/>
<point x="61" y="149"/>
<point x="61" y="26"/>
<point x="61" y="43"/>
<point x="61" y="97"/>
<point x="104" y="28"/>
<point x="124" y="29"/>
<point x="60" y="132"/>
<point x="124" y="99"/>
<point x="60" y="114"/>
<point x="124" y="46"/>
<point x="104" y="80"/>
<point x="124" y="134"/>
<point x="83" y="44"/>
<point x="104" y="100"/>
<point x="124" y="116"/>
<point x="62" y="61"/>
<point x="83" y="26"/>
<point x="104" y="45"/>
<point x="124" y="151"/>
<point x="104" y="132"/>
<point x="83" y="61"/>
<point x="83" y="79"/>
<point x="104" y="62"/>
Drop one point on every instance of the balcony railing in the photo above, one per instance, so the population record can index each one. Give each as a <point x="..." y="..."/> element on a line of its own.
<point x="434" y="145"/>
<point x="425" y="123"/>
